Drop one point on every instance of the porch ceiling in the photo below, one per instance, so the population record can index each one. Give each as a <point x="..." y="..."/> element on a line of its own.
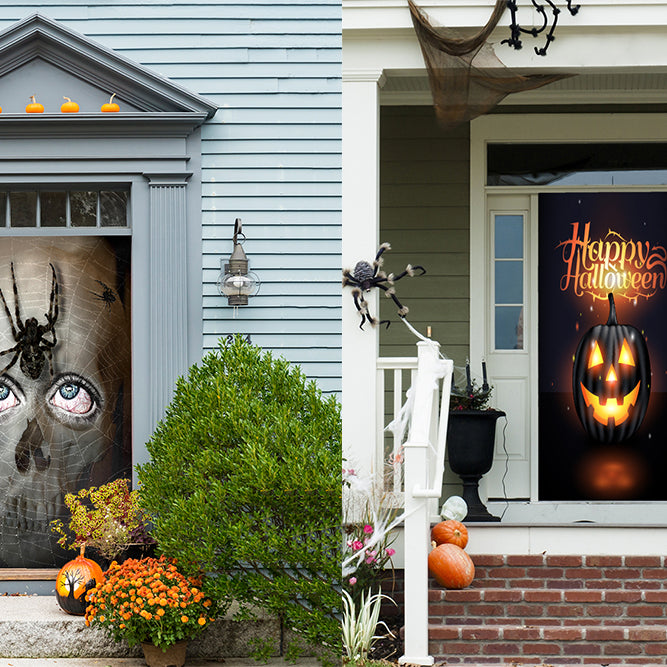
<point x="625" y="88"/>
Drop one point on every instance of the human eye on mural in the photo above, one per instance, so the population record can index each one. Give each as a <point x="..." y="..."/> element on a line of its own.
<point x="64" y="383"/>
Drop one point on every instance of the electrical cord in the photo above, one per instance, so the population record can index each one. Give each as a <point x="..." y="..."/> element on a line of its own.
<point x="507" y="467"/>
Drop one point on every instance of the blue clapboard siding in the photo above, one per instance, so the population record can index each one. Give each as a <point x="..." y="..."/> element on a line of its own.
<point x="271" y="156"/>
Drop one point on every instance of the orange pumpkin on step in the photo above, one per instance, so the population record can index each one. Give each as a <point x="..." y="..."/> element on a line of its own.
<point x="74" y="581"/>
<point x="451" y="566"/>
<point x="450" y="532"/>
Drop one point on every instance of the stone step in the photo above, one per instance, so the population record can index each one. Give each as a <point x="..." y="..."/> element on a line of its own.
<point x="36" y="627"/>
<point x="515" y="643"/>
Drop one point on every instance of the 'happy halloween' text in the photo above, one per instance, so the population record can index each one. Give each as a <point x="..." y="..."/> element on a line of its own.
<point x="630" y="269"/>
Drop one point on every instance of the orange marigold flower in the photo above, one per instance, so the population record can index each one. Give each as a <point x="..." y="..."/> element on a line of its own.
<point x="160" y="612"/>
<point x="184" y="619"/>
<point x="201" y="621"/>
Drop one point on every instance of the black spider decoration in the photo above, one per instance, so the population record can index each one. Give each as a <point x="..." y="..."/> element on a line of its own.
<point x="516" y="30"/>
<point x="366" y="276"/>
<point x="31" y="345"/>
<point x="107" y="296"/>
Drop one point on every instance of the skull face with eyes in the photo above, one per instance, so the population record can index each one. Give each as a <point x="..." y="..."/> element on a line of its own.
<point x="64" y="418"/>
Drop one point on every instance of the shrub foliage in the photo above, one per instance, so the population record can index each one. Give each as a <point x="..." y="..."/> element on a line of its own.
<point x="244" y="483"/>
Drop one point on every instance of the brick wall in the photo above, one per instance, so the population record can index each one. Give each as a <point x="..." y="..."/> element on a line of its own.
<point x="554" y="609"/>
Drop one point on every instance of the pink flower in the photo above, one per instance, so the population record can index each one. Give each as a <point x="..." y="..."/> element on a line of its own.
<point x="353" y="581"/>
<point x="368" y="529"/>
<point x="370" y="557"/>
<point x="356" y="545"/>
<point x="390" y="552"/>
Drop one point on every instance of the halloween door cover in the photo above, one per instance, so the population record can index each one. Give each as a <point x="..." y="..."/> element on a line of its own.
<point x="65" y="418"/>
<point x="602" y="332"/>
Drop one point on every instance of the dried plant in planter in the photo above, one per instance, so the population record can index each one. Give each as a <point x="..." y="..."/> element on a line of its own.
<point x="108" y="518"/>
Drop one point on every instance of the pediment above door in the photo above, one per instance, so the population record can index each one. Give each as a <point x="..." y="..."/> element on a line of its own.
<point x="42" y="57"/>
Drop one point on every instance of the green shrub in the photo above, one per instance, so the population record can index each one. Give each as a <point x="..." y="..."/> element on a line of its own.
<point x="244" y="483"/>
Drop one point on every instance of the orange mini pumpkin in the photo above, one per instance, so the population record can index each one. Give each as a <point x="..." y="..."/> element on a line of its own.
<point x="110" y="106"/>
<point x="34" y="106"/>
<point x="69" y="106"/>
<point x="450" y="532"/>
<point x="74" y="580"/>
<point x="451" y="566"/>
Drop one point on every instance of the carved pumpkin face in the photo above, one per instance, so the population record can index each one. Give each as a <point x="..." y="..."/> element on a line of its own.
<point x="611" y="379"/>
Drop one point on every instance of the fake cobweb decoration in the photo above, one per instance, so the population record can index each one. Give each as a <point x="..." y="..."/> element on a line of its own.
<point x="466" y="77"/>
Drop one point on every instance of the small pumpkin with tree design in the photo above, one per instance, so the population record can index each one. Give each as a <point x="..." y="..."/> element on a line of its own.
<point x="73" y="582"/>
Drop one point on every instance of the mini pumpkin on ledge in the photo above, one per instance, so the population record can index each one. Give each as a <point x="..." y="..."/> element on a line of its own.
<point x="34" y="106"/>
<point x="110" y="106"/>
<point x="69" y="106"/>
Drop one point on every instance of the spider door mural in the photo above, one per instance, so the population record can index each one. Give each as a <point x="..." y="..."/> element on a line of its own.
<point x="65" y="415"/>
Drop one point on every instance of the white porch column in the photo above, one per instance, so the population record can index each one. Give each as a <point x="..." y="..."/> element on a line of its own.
<point x="360" y="188"/>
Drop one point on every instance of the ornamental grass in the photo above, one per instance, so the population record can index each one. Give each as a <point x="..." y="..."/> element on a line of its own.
<point x="149" y="600"/>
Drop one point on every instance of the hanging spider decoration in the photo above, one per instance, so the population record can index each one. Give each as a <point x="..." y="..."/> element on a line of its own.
<point x="366" y="276"/>
<point x="516" y="30"/>
<point x="32" y="347"/>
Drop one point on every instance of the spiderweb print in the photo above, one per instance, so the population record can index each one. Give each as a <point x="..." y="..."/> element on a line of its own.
<point x="65" y="363"/>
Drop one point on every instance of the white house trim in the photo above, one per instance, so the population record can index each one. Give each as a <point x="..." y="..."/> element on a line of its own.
<point x="361" y="215"/>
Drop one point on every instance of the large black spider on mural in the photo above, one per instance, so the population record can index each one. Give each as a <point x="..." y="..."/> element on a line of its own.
<point x="365" y="276"/>
<point x="32" y="347"/>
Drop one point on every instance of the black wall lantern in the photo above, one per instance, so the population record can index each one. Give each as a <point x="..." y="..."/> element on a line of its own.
<point x="236" y="282"/>
<point x="517" y="30"/>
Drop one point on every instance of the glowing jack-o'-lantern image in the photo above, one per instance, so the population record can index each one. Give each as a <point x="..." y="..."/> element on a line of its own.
<point x="612" y="474"/>
<point x="611" y="379"/>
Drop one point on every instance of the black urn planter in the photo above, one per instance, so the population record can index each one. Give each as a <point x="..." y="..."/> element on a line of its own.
<point x="471" y="436"/>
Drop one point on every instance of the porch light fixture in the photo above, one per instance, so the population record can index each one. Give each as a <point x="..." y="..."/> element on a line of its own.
<point x="236" y="282"/>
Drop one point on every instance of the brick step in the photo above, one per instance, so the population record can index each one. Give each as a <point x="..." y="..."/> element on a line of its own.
<point x="516" y="643"/>
<point x="497" y="606"/>
<point x="573" y="572"/>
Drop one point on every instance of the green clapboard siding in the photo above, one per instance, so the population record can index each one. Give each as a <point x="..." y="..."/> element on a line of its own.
<point x="424" y="215"/>
<point x="271" y="155"/>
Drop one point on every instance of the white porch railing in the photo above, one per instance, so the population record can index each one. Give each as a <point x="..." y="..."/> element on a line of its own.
<point x="423" y="466"/>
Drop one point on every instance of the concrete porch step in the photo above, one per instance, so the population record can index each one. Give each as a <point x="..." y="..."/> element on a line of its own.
<point x="35" y="627"/>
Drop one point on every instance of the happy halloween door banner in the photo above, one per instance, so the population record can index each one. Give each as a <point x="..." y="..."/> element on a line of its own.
<point x="602" y="346"/>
